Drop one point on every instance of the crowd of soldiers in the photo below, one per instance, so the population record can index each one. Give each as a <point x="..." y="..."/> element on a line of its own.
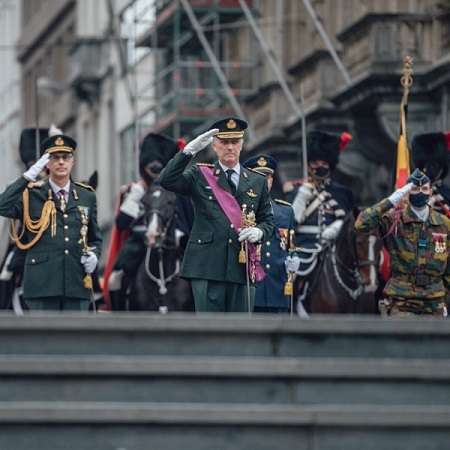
<point x="240" y="249"/>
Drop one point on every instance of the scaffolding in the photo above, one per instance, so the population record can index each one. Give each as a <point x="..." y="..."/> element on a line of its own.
<point x="205" y="59"/>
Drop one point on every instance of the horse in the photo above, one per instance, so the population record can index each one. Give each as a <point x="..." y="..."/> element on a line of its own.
<point x="157" y="285"/>
<point x="346" y="277"/>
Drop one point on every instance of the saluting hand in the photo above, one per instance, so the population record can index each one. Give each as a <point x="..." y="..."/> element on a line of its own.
<point x="33" y="172"/>
<point x="200" y="142"/>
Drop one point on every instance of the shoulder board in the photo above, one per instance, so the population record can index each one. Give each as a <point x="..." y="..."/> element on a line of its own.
<point x="34" y="185"/>
<point x="255" y="171"/>
<point x="205" y="164"/>
<point x="281" y="202"/>
<point x="86" y="186"/>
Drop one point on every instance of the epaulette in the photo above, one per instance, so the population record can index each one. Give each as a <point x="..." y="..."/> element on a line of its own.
<point x="282" y="202"/>
<point x="205" y="164"/>
<point x="86" y="186"/>
<point x="34" y="185"/>
<point x="289" y="186"/>
<point x="255" y="171"/>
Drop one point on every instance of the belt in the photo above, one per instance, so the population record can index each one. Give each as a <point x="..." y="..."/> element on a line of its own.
<point x="308" y="229"/>
<point x="418" y="280"/>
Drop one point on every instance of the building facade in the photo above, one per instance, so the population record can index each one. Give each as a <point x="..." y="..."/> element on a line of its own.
<point x="109" y="72"/>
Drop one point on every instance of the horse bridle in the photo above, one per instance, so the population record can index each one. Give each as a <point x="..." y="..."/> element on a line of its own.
<point x="353" y="272"/>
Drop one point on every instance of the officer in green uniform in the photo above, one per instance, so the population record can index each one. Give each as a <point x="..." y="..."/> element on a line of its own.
<point x="232" y="214"/>
<point x="63" y="239"/>
<point x="416" y="238"/>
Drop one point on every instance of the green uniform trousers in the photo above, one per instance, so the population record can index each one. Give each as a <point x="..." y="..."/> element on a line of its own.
<point x="57" y="304"/>
<point x="220" y="296"/>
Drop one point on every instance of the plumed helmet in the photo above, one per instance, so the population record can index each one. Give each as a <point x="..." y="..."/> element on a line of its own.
<point x="27" y="144"/>
<point x="432" y="148"/>
<point x="326" y="146"/>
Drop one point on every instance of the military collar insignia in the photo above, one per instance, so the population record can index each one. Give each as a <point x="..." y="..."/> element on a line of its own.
<point x="251" y="194"/>
<point x="245" y="175"/>
<point x="75" y="194"/>
<point x="218" y="171"/>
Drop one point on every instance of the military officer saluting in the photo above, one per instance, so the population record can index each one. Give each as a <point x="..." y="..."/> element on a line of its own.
<point x="232" y="212"/>
<point x="270" y="292"/>
<point x="416" y="238"/>
<point x="63" y="239"/>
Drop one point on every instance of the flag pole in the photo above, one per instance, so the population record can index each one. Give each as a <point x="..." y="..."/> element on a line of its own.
<point x="402" y="167"/>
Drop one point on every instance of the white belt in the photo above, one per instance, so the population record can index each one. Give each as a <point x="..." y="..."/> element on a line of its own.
<point x="309" y="229"/>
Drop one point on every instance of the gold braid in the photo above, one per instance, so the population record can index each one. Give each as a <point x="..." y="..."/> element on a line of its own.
<point x="48" y="217"/>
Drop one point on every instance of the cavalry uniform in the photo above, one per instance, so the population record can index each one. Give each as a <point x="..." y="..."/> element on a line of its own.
<point x="213" y="249"/>
<point x="420" y="273"/>
<point x="58" y="251"/>
<point x="331" y="201"/>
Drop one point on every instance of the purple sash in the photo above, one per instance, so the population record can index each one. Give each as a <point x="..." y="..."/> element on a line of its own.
<point x="232" y="210"/>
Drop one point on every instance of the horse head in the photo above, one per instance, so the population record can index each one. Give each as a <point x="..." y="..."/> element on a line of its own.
<point x="160" y="207"/>
<point x="367" y="254"/>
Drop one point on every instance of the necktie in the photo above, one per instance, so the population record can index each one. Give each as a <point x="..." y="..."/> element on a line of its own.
<point x="230" y="181"/>
<point x="62" y="199"/>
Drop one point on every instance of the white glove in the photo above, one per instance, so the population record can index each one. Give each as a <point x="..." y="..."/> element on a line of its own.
<point x="331" y="231"/>
<point x="200" y="142"/>
<point x="252" y="235"/>
<point x="397" y="195"/>
<point x="89" y="261"/>
<point x="292" y="263"/>
<point x="304" y="195"/>
<point x="33" y="172"/>
<point x="131" y="205"/>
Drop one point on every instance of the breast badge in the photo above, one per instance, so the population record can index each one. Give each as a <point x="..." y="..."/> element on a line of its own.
<point x="440" y="244"/>
<point x="251" y="194"/>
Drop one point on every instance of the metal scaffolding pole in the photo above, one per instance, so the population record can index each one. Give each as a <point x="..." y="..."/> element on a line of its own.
<point x="216" y="66"/>
<point x="272" y="61"/>
<point x="327" y="41"/>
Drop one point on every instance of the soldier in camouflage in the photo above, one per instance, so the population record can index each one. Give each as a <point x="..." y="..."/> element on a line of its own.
<point x="416" y="238"/>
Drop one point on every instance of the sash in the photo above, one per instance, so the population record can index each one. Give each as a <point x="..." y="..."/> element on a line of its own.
<point x="232" y="210"/>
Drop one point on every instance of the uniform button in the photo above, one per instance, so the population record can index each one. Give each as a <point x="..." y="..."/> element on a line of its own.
<point x="199" y="241"/>
<point x="33" y="261"/>
<point x="210" y="197"/>
<point x="66" y="239"/>
<point x="65" y="216"/>
<point x="268" y="243"/>
<point x="66" y="252"/>
<point x="267" y="266"/>
<point x="232" y="226"/>
<point x="230" y="241"/>
<point x="66" y="227"/>
<point x="268" y="254"/>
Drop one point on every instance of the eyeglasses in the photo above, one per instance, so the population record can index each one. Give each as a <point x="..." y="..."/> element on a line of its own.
<point x="65" y="157"/>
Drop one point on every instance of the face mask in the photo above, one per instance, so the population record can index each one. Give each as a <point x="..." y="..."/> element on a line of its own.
<point x="419" y="199"/>
<point x="321" y="172"/>
<point x="155" y="167"/>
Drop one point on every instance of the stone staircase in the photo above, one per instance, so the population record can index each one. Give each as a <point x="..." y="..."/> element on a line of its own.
<point x="182" y="381"/>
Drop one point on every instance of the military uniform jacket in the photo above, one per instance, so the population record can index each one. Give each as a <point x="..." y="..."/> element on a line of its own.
<point x="336" y="201"/>
<point x="270" y="291"/>
<point x="418" y="250"/>
<point x="212" y="252"/>
<point x="52" y="266"/>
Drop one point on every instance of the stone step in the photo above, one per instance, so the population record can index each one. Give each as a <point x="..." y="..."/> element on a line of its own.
<point x="224" y="379"/>
<point x="224" y="335"/>
<point x="110" y="425"/>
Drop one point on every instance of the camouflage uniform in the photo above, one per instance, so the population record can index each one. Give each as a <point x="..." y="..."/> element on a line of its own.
<point x="420" y="275"/>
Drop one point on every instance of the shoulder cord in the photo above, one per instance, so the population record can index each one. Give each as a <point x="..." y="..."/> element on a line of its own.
<point x="397" y="215"/>
<point x="48" y="218"/>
